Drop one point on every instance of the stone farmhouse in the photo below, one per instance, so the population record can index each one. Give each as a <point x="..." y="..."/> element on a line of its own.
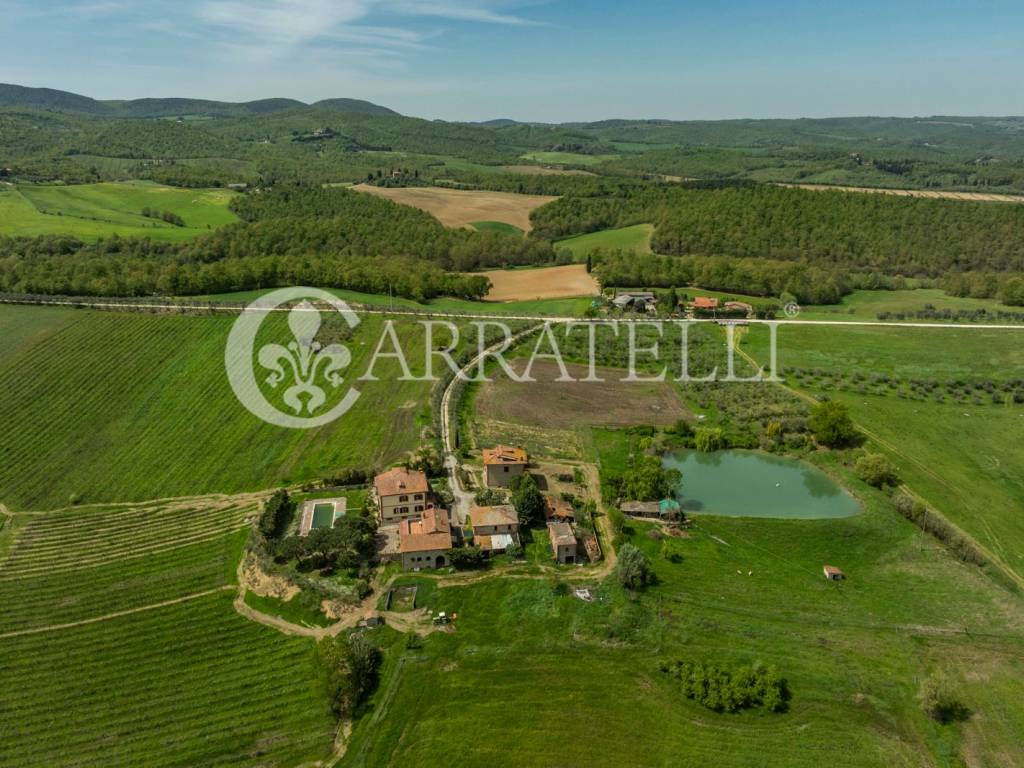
<point x="502" y="463"/>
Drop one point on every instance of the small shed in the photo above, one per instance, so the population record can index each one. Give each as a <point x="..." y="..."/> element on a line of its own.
<point x="833" y="574"/>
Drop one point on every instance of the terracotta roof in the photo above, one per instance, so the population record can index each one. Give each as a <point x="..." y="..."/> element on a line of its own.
<point x="705" y="302"/>
<point x="555" y="507"/>
<point x="738" y="305"/>
<point x="500" y="514"/>
<point x="430" y="533"/>
<point x="831" y="570"/>
<point x="561" y="535"/>
<point x="504" y="454"/>
<point x="400" y="480"/>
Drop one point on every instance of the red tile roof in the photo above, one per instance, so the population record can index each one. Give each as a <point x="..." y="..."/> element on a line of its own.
<point x="504" y="454"/>
<point x="500" y="514"/>
<point x="557" y="508"/>
<point x="430" y="533"/>
<point x="400" y="480"/>
<point x="705" y="302"/>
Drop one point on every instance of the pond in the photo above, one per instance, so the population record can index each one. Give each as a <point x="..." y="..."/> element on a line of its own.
<point x="753" y="484"/>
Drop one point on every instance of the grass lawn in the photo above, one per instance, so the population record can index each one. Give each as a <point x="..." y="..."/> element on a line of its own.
<point x="636" y="238"/>
<point x="866" y="305"/>
<point x="289" y="610"/>
<point x="91" y="211"/>
<point x="146" y="398"/>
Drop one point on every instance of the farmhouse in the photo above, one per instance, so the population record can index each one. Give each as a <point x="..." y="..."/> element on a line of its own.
<point x="639" y="301"/>
<point x="558" y="509"/>
<point x="424" y="543"/>
<point x="495" y="528"/>
<point x="563" y="542"/>
<point x="704" y="303"/>
<point x="503" y="463"/>
<point x="401" y="493"/>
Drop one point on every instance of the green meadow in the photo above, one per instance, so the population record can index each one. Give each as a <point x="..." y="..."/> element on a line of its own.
<point x="92" y="211"/>
<point x="636" y="238"/>
<point x="566" y="158"/>
<point x="866" y="305"/>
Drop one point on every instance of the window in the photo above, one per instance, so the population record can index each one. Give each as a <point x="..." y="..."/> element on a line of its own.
<point x="418" y="497"/>
<point x="403" y="510"/>
<point x="419" y="507"/>
<point x="403" y="498"/>
<point x="505" y="468"/>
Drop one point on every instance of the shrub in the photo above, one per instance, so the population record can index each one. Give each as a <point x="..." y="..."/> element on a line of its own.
<point x="875" y="469"/>
<point x="467" y="558"/>
<point x="939" y="699"/>
<point x="633" y="568"/>
<point x="708" y="439"/>
<point x="277" y="511"/>
<point x="725" y="690"/>
<point x="347" y="670"/>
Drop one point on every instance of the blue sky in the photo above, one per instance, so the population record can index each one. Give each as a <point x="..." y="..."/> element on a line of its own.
<point x="547" y="60"/>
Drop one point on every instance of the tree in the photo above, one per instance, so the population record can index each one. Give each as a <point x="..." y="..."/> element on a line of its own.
<point x="527" y="499"/>
<point x="708" y="439"/>
<point x="490" y="497"/>
<point x="875" y="469"/>
<point x="633" y="568"/>
<point x="831" y="424"/>
<point x="347" y="670"/>
<point x="276" y="512"/>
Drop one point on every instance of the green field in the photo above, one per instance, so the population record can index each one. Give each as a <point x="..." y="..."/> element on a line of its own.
<point x="965" y="459"/>
<point x="566" y="158"/>
<point x="91" y="211"/>
<point x="146" y="398"/>
<point x="636" y="238"/>
<point x="497" y="226"/>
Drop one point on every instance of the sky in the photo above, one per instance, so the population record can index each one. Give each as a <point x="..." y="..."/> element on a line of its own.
<point x="536" y="60"/>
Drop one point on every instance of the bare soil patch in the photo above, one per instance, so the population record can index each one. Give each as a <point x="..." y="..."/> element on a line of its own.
<point x="549" y="404"/>
<point x="984" y="197"/>
<point x="543" y="283"/>
<point x="459" y="208"/>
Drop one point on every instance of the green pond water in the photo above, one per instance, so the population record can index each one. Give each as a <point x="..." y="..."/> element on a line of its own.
<point x="751" y="484"/>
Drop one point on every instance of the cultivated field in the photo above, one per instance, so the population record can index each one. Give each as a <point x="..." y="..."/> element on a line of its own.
<point x="123" y="614"/>
<point x="541" y="283"/>
<point x="146" y="398"/>
<point x="932" y="193"/>
<point x="551" y="417"/>
<point x="460" y="208"/>
<point x="91" y="211"/>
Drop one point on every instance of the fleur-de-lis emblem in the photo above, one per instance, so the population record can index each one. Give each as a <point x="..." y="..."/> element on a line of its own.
<point x="304" y="361"/>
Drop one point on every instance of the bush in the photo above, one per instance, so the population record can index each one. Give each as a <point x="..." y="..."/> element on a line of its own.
<point x="875" y="469"/>
<point x="939" y="699"/>
<point x="725" y="690"/>
<point x="708" y="439"/>
<point x="467" y="558"/>
<point x="633" y="568"/>
<point x="527" y="499"/>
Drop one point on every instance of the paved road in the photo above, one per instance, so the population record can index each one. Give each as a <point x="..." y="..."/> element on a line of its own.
<point x="361" y="309"/>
